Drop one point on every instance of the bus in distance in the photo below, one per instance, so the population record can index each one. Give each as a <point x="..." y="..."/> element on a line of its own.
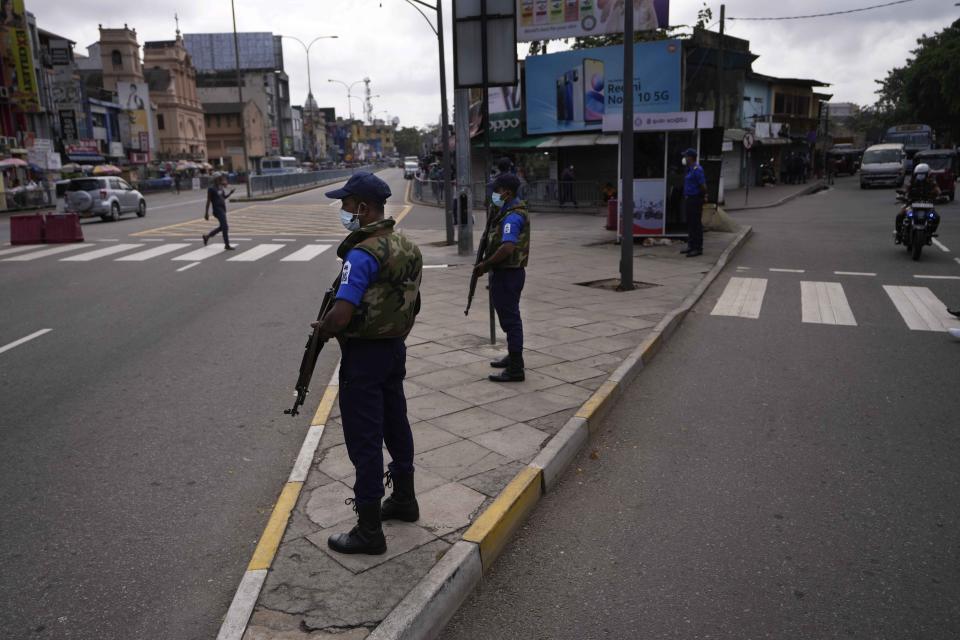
<point x="913" y="137"/>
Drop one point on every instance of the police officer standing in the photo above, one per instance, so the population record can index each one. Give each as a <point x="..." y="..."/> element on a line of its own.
<point x="694" y="195"/>
<point x="376" y="305"/>
<point x="508" y="248"/>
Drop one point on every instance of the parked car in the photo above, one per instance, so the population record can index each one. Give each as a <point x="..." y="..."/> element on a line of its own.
<point x="882" y="164"/>
<point x="107" y="197"/>
<point x="943" y="167"/>
<point x="410" y="169"/>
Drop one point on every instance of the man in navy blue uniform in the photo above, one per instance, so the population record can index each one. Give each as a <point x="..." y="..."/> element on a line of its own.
<point x="376" y="305"/>
<point x="694" y="195"/>
<point x="508" y="250"/>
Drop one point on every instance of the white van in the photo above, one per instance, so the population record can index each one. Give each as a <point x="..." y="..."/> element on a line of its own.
<point x="882" y="164"/>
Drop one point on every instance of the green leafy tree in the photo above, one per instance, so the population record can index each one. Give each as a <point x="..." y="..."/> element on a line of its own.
<point x="926" y="89"/>
<point x="408" y="141"/>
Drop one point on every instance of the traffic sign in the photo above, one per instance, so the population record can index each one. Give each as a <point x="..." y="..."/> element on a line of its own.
<point x="747" y="141"/>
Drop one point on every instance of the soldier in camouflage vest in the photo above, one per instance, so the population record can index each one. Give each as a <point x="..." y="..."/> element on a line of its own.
<point x="376" y="305"/>
<point x="508" y="249"/>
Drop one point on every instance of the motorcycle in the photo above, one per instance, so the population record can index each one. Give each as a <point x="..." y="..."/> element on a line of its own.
<point x="919" y="226"/>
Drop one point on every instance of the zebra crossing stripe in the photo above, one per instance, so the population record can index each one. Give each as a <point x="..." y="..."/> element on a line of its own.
<point x="825" y="303"/>
<point x="921" y="309"/>
<point x="8" y="251"/>
<point x="100" y="253"/>
<point x="163" y="249"/>
<point x="43" y="253"/>
<point x="201" y="254"/>
<point x="257" y="252"/>
<point x="741" y="298"/>
<point x="306" y="253"/>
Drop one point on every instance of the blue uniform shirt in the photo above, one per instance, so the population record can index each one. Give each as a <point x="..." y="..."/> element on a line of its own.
<point x="359" y="270"/>
<point x="512" y="226"/>
<point x="693" y="180"/>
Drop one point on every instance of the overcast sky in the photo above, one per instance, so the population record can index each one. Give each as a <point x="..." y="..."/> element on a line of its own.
<point x="389" y="42"/>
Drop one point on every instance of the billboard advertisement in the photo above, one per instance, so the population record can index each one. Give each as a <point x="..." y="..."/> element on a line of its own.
<point x="574" y="91"/>
<point x="549" y="19"/>
<point x="19" y="77"/>
<point x="135" y="98"/>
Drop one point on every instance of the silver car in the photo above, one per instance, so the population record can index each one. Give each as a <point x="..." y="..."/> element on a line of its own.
<point x="105" y="196"/>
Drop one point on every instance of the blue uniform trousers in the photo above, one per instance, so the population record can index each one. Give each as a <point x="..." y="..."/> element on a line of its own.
<point x="693" y="207"/>
<point x="505" y="289"/>
<point x="374" y="411"/>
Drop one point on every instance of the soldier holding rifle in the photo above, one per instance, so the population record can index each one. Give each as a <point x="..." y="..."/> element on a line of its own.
<point x="375" y="307"/>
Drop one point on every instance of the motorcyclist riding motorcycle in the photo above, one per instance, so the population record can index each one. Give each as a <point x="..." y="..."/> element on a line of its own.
<point x="923" y="188"/>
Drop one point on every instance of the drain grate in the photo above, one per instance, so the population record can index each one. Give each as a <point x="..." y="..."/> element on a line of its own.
<point x="611" y="284"/>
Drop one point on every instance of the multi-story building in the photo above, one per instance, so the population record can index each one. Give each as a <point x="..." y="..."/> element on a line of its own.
<point x="296" y="113"/>
<point x="262" y="79"/>
<point x="172" y="80"/>
<point x="225" y="134"/>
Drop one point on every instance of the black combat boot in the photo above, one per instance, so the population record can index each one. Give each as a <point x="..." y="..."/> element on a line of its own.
<point x="514" y="370"/>
<point x="366" y="537"/>
<point x="402" y="503"/>
<point x="502" y="363"/>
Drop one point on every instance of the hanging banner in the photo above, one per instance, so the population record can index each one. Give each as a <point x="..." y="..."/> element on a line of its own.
<point x="575" y="91"/>
<point x="134" y="97"/>
<point x="649" y="208"/>
<point x="19" y="76"/>
<point x="551" y="19"/>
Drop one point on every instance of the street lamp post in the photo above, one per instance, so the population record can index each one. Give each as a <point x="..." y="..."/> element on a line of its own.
<point x="350" y="95"/>
<point x="306" y="48"/>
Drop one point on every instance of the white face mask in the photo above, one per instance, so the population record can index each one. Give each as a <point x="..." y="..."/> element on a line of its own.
<point x="497" y="199"/>
<point x="350" y="221"/>
<point x="684" y="160"/>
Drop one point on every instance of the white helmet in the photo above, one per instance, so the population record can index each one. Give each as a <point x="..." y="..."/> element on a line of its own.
<point x="921" y="170"/>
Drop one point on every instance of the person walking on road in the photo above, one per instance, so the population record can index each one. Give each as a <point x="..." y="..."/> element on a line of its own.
<point x="376" y="305"/>
<point x="217" y="199"/>
<point x="694" y="195"/>
<point x="566" y="186"/>
<point x="508" y="248"/>
<point x="176" y="182"/>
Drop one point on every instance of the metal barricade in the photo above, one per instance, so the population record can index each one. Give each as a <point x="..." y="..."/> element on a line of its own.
<point x="278" y="183"/>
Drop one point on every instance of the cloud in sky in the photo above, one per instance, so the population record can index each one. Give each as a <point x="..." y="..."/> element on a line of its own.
<point x="389" y="42"/>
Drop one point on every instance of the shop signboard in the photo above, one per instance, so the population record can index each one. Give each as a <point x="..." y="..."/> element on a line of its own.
<point x="672" y="121"/>
<point x="68" y="124"/>
<point x="506" y="115"/>
<point x="575" y="91"/>
<point x="19" y="79"/>
<point x="83" y="147"/>
<point x="134" y="97"/>
<point x="550" y="19"/>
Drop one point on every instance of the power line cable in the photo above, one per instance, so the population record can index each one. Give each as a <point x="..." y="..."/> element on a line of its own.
<point x="832" y="13"/>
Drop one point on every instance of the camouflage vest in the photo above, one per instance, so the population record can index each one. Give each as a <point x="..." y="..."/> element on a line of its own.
<point x="521" y="254"/>
<point x="391" y="303"/>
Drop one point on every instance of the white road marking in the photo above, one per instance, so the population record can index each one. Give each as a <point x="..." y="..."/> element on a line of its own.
<point x="921" y="309"/>
<point x="163" y="249"/>
<point x="825" y="303"/>
<point x="938" y="277"/>
<point x="243" y="239"/>
<point x="188" y="266"/>
<point x="257" y="252"/>
<point x="43" y="253"/>
<point x="788" y="270"/>
<point x="152" y="239"/>
<point x="109" y="240"/>
<point x="284" y="239"/>
<point x="306" y="253"/>
<point x="940" y="246"/>
<point x="235" y="622"/>
<point x="201" y="254"/>
<point x="18" y="249"/>
<point x="868" y="274"/>
<point x="957" y="260"/>
<point x="171" y="206"/>
<point x="436" y="266"/>
<point x="17" y="343"/>
<point x="100" y="253"/>
<point x="742" y="298"/>
<point x="743" y="268"/>
<point x="307" y="451"/>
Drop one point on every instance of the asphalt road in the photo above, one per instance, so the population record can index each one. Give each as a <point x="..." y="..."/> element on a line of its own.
<point x="142" y="440"/>
<point x="764" y="477"/>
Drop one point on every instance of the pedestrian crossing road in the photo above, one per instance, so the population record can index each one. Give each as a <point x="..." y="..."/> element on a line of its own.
<point x="247" y="251"/>
<point x="827" y="302"/>
<point x="269" y="219"/>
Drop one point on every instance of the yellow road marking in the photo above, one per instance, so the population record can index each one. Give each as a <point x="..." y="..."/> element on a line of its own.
<point x="272" y="534"/>
<point x="492" y="530"/>
<point x="406" y="193"/>
<point x="403" y="214"/>
<point x="597" y="400"/>
<point x="326" y="406"/>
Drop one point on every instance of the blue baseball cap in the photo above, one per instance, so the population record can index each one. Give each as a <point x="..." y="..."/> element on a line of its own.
<point x="507" y="181"/>
<point x="363" y="185"/>
<point x="690" y="152"/>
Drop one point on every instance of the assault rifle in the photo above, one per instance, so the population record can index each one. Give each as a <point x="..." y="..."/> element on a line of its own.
<point x="481" y="250"/>
<point x="312" y="351"/>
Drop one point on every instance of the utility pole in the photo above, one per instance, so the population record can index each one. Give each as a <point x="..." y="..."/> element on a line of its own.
<point x="461" y="123"/>
<point x="243" y="123"/>
<point x="445" y="132"/>
<point x="626" y="156"/>
<point x="368" y="102"/>
<point x="718" y="120"/>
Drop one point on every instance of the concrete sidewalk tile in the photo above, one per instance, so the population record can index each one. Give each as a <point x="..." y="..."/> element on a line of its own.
<point x="517" y="442"/>
<point x="424" y="480"/>
<point x="448" y="507"/>
<point x="427" y="437"/>
<point x="603" y="329"/>
<point x="434" y="405"/>
<point x="482" y="391"/>
<point x="562" y="320"/>
<point x="460" y="460"/>
<point x="607" y="345"/>
<point x="401" y="538"/>
<point x="492" y="482"/>
<point x="428" y="349"/>
<point x="412" y="389"/>
<point x="463" y="341"/>
<point x="336" y="463"/>
<point x="432" y="331"/>
<point x="454" y="358"/>
<point x="471" y="422"/>
<point x="416" y="366"/>
<point x="440" y="379"/>
<point x="574" y="391"/>
<point x="572" y="351"/>
<point x="326" y="504"/>
<point x="535" y="381"/>
<point x="532" y="405"/>
<point x="634" y="323"/>
<point x="553" y="422"/>
<point x="332" y="436"/>
<point x="412" y="341"/>
<point x="600" y="361"/>
<point x="570" y="371"/>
